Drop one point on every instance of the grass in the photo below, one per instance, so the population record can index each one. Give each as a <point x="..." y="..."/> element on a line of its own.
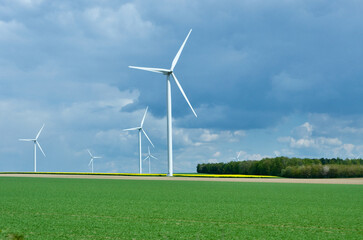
<point x="43" y="208"/>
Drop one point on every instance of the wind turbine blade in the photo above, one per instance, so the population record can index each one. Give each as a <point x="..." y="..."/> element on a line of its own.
<point x="26" y="140"/>
<point x="97" y="157"/>
<point x="176" y="58"/>
<point x="148" y="150"/>
<point x="147" y="137"/>
<point x="131" y="129"/>
<point x="238" y="154"/>
<point x="40" y="148"/>
<point x="182" y="91"/>
<point x="153" y="156"/>
<point x="157" y="70"/>
<point x="143" y="118"/>
<point x="90" y="153"/>
<point x="39" y="131"/>
<point x="146" y="158"/>
<point x="90" y="161"/>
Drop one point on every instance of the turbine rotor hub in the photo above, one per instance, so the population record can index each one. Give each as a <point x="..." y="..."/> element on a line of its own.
<point x="168" y="72"/>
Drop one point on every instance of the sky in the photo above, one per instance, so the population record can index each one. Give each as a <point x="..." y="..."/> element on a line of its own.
<point x="266" y="78"/>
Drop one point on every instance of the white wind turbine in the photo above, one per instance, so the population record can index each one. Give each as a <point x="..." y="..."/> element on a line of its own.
<point x="35" y="140"/>
<point x="169" y="72"/>
<point x="149" y="156"/>
<point x="92" y="157"/>
<point x="140" y="129"/>
<point x="237" y="157"/>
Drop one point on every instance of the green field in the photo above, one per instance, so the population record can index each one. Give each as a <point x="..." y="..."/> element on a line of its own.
<point x="46" y="208"/>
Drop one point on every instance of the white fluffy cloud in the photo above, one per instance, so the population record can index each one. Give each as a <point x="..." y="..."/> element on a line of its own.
<point x="11" y="31"/>
<point x="251" y="156"/>
<point x="27" y="3"/>
<point x="303" y="131"/>
<point x="118" y="23"/>
<point x="207" y="136"/>
<point x="217" y="154"/>
<point x="95" y="122"/>
<point x="305" y="141"/>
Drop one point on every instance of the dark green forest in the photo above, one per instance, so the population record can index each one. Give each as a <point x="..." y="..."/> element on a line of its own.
<point x="289" y="167"/>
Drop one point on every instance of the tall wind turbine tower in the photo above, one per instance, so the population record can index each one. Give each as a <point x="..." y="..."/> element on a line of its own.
<point x="140" y="129"/>
<point x="167" y="73"/>
<point x="91" y="161"/>
<point x="149" y="156"/>
<point x="36" y="143"/>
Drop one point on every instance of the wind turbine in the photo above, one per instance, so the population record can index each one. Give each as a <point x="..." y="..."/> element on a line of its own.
<point x="92" y="157"/>
<point x="169" y="72"/>
<point x="140" y="129"/>
<point x="35" y="140"/>
<point x="149" y="156"/>
<point x="237" y="157"/>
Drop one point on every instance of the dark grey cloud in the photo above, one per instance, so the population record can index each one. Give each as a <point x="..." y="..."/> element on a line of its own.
<point x="247" y="65"/>
<point x="250" y="56"/>
<point x="255" y="57"/>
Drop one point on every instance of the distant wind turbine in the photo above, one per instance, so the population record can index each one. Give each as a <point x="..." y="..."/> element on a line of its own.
<point x="36" y="143"/>
<point x="169" y="72"/>
<point x="237" y="157"/>
<point x="277" y="153"/>
<point x="149" y="156"/>
<point x="140" y="129"/>
<point x="92" y="157"/>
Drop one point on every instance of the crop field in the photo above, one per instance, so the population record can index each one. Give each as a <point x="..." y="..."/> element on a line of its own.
<point x="53" y="208"/>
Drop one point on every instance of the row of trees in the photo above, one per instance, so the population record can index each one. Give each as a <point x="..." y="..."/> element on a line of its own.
<point x="289" y="167"/>
<point x="326" y="171"/>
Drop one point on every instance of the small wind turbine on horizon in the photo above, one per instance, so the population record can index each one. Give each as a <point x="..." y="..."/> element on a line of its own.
<point x="167" y="73"/>
<point x="140" y="129"/>
<point x="92" y="157"/>
<point x="237" y="157"/>
<point x="149" y="156"/>
<point x="36" y="143"/>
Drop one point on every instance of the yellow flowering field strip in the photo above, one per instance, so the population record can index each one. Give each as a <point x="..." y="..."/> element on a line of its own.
<point x="223" y="176"/>
<point x="151" y="174"/>
<point x="87" y="173"/>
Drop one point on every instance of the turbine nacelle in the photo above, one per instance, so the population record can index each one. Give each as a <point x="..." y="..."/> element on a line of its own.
<point x="149" y="155"/>
<point x="238" y="155"/>
<point x="35" y="140"/>
<point x="141" y="127"/>
<point x="92" y="158"/>
<point x="36" y="143"/>
<point x="169" y="72"/>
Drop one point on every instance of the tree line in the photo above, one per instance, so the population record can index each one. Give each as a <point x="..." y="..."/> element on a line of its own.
<point x="289" y="167"/>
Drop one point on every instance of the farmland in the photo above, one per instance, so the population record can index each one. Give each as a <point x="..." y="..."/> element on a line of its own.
<point x="52" y="208"/>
